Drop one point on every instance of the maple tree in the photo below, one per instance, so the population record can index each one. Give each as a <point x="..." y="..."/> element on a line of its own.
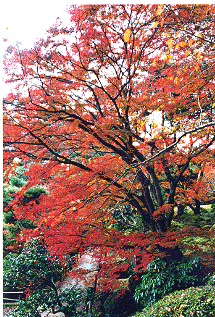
<point x="111" y="110"/>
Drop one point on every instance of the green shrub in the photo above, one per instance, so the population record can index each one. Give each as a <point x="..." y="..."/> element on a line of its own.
<point x="162" y="278"/>
<point x="67" y="301"/>
<point x="17" y="181"/>
<point x="194" y="301"/>
<point x="33" y="268"/>
<point x="7" y="262"/>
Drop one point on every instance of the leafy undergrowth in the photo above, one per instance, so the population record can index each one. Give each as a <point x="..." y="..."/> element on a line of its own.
<point x="194" y="301"/>
<point x="205" y="220"/>
<point x="199" y="244"/>
<point x="162" y="278"/>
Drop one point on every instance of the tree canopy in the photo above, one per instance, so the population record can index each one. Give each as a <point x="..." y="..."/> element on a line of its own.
<point x="114" y="110"/>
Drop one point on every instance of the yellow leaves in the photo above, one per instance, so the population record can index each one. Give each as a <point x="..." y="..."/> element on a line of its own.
<point x="162" y="22"/>
<point x="127" y="35"/>
<point x="173" y="129"/>
<point x="175" y="80"/>
<point x="208" y="128"/>
<point x="168" y="57"/>
<point x="168" y="309"/>
<point x="182" y="44"/>
<point x="154" y="62"/>
<point x="177" y="45"/>
<point x="170" y="43"/>
<point x="199" y="54"/>
<point x="191" y="42"/>
<point x="90" y="183"/>
<point x="187" y="53"/>
<point x="141" y="122"/>
<point x="165" y="58"/>
<point x="159" y="11"/>
<point x="155" y="24"/>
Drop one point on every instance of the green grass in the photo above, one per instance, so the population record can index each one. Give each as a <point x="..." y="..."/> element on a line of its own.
<point x="205" y="220"/>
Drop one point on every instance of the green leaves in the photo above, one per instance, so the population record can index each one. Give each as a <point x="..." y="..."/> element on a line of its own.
<point x="32" y="268"/>
<point x="162" y="278"/>
<point x="199" y="301"/>
<point x="67" y="301"/>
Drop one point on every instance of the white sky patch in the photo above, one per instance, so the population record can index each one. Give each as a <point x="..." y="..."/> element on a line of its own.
<point x="27" y="21"/>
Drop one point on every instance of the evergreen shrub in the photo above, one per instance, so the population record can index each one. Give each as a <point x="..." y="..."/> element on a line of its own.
<point x="162" y="278"/>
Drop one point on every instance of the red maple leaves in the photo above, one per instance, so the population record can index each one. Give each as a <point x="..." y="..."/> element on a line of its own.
<point x="111" y="110"/>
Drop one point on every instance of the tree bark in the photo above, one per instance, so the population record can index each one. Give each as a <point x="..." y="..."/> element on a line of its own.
<point x="197" y="207"/>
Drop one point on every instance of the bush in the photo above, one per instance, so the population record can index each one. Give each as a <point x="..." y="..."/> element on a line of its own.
<point x="7" y="263"/>
<point x="67" y="301"/>
<point x="194" y="301"/>
<point x="33" y="268"/>
<point x="162" y="278"/>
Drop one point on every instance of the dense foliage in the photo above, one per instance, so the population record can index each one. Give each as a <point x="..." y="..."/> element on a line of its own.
<point x="194" y="301"/>
<point x="162" y="278"/>
<point x="113" y="115"/>
<point x="37" y="273"/>
<point x="68" y="302"/>
<point x="85" y="108"/>
<point x="32" y="269"/>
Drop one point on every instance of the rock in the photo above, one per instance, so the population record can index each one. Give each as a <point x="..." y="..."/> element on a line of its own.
<point x="60" y="314"/>
<point x="48" y="313"/>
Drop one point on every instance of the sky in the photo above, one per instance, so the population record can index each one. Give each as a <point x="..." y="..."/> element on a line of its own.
<point x="26" y="21"/>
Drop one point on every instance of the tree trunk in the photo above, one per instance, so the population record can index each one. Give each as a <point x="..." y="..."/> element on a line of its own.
<point x="180" y="209"/>
<point x="197" y="207"/>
